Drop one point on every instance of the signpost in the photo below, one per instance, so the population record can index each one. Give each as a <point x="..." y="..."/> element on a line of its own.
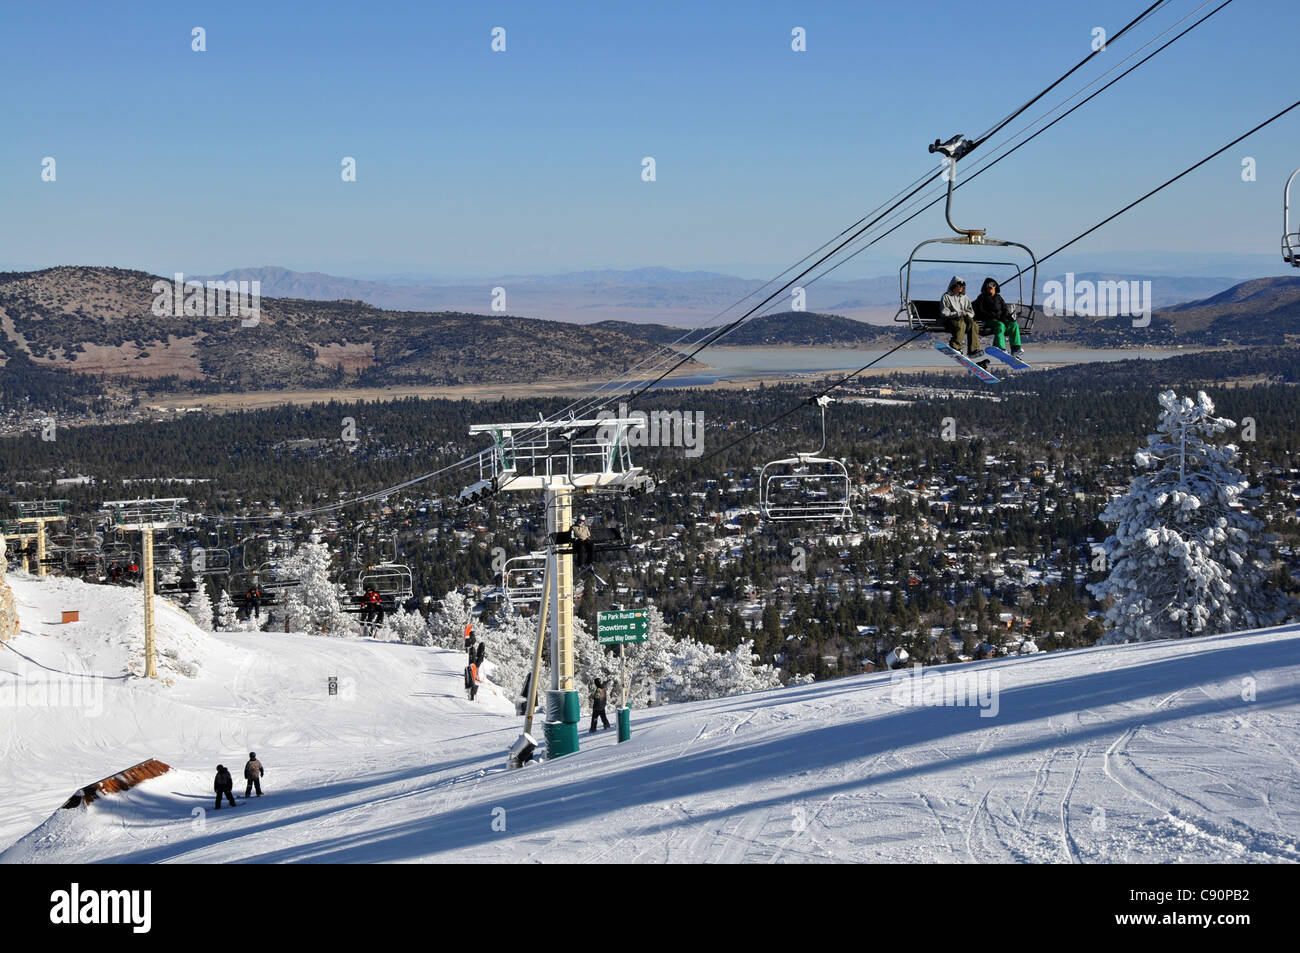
<point x="621" y="627"/>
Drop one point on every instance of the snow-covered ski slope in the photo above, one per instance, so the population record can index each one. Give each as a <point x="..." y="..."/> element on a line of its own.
<point x="1164" y="751"/>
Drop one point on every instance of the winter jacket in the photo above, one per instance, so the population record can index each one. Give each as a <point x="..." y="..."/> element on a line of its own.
<point x="954" y="304"/>
<point x="581" y="531"/>
<point x="991" y="309"/>
<point x="224" y="781"/>
<point x="598" y="700"/>
<point x="253" y="769"/>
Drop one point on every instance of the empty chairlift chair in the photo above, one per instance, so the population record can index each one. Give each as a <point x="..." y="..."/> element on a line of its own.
<point x="807" y="486"/>
<point x="522" y="580"/>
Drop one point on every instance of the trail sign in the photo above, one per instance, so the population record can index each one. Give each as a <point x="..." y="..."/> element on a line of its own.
<point x="622" y="627"/>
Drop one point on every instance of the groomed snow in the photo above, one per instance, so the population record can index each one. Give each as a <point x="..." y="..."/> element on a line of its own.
<point x="1160" y="751"/>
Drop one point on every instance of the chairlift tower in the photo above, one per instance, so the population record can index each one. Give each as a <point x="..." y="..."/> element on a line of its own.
<point x="145" y="517"/>
<point x="560" y="459"/>
<point x="38" y="513"/>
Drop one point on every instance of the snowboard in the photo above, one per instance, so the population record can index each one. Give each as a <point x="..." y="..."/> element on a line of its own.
<point x="1007" y="359"/>
<point x="966" y="362"/>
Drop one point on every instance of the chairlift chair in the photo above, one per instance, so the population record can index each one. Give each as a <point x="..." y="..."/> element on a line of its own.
<point x="1290" y="239"/>
<point x="925" y="314"/>
<point x="392" y="581"/>
<point x="272" y="577"/>
<point x="605" y="513"/>
<point x="806" y="486"/>
<point x="523" y="578"/>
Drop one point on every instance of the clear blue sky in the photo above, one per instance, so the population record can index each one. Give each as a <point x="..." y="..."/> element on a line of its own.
<point x="476" y="163"/>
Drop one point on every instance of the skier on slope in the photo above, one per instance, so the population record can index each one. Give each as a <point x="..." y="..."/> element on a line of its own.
<point x="224" y="784"/>
<point x="472" y="679"/>
<point x="469" y="640"/>
<point x="598" y="699"/>
<point x="253" y="772"/>
<point x="959" y="315"/>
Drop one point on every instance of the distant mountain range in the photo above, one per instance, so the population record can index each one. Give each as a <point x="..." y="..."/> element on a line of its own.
<point x="656" y="295"/>
<point x="103" y="322"/>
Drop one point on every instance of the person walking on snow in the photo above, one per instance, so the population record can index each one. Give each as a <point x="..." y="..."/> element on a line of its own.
<point x="253" y="772"/>
<point x="992" y="310"/>
<point x="224" y="784"/>
<point x="598" y="698"/>
<point x="959" y="315"/>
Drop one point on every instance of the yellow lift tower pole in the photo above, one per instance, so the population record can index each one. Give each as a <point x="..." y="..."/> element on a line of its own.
<point x="145" y="517"/>
<point x="40" y="513"/>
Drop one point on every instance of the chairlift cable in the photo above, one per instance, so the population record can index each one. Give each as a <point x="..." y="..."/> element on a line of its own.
<point x="1056" y="251"/>
<point x="1064" y="76"/>
<point x="858" y="231"/>
<point x="989" y="164"/>
<point x="861" y="232"/>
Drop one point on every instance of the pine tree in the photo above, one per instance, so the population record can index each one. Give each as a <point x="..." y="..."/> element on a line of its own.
<point x="313" y="605"/>
<point x="227" y="614"/>
<point x="1186" y="556"/>
<point x="200" y="606"/>
<point x="447" y="626"/>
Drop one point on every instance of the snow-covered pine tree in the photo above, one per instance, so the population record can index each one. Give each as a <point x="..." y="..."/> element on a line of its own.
<point x="405" y="626"/>
<point x="447" y="625"/>
<point x="313" y="606"/>
<point x="1186" y="556"/>
<point x="200" y="606"/>
<point x="227" y="613"/>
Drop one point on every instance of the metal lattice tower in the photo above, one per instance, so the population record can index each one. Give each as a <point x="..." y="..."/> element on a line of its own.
<point x="549" y="457"/>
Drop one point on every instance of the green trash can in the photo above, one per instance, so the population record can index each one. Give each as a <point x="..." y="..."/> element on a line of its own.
<point x="624" y="725"/>
<point x="561" y="738"/>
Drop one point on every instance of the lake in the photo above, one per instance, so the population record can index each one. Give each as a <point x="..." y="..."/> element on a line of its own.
<point x="728" y="363"/>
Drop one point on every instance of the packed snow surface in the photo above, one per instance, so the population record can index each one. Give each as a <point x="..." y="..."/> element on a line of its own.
<point x="1160" y="751"/>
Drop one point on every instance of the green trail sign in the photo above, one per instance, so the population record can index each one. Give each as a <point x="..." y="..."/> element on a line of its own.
<point x="622" y="627"/>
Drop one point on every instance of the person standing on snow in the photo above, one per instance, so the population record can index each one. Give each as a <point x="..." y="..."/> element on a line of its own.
<point x="224" y="784"/>
<point x="469" y="640"/>
<point x="959" y="315"/>
<point x="598" y="699"/>
<point x="253" y="772"/>
<point x="992" y="310"/>
<point x="473" y="680"/>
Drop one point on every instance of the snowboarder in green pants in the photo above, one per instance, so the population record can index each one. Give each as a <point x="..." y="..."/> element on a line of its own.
<point x="991" y="310"/>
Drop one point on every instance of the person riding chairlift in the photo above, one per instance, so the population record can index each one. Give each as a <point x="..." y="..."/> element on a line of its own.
<point x="992" y="310"/>
<point x="959" y="315"/>
<point x="372" y="606"/>
<point x="583" y="547"/>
